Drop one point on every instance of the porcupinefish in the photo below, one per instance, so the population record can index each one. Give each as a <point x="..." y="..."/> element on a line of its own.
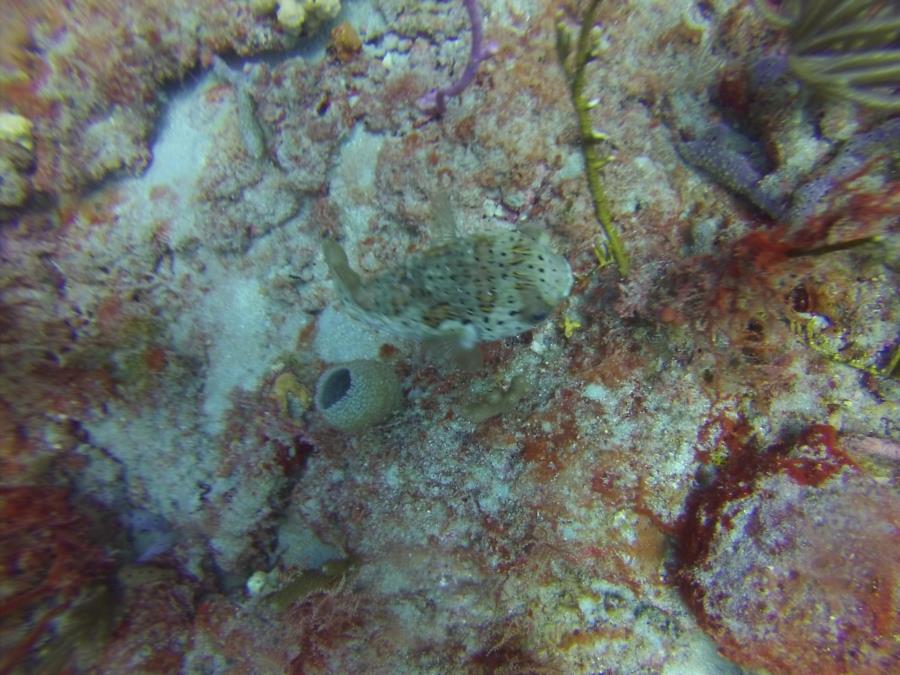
<point x="473" y="289"/>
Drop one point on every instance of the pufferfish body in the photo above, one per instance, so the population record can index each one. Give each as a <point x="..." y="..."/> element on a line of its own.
<point x="476" y="289"/>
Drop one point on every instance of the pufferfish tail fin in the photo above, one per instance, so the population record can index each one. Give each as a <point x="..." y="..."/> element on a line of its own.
<point x="348" y="281"/>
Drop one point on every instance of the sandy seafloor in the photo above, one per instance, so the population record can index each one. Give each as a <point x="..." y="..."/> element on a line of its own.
<point x="689" y="468"/>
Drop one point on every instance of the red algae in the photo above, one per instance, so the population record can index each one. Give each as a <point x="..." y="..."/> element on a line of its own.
<point x="51" y="562"/>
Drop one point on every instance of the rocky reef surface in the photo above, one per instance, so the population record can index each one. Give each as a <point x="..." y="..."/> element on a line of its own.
<point x="691" y="467"/>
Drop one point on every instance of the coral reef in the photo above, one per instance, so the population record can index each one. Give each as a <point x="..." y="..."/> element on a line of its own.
<point x="689" y="469"/>
<point x="89" y="75"/>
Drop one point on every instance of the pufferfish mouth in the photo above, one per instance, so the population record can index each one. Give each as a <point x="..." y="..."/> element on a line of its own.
<point x="562" y="286"/>
<point x="569" y="277"/>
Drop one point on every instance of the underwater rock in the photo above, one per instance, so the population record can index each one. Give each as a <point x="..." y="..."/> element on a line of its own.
<point x="791" y="564"/>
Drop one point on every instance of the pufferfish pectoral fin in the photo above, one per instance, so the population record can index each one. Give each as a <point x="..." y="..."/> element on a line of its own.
<point x="446" y="351"/>
<point x="445" y="325"/>
<point x="348" y="281"/>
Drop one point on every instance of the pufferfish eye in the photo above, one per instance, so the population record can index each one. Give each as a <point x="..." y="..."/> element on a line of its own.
<point x="537" y="317"/>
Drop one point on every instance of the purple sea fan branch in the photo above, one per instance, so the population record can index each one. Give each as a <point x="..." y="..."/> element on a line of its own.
<point x="435" y="101"/>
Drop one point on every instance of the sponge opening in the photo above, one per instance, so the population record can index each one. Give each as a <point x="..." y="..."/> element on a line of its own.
<point x="335" y="388"/>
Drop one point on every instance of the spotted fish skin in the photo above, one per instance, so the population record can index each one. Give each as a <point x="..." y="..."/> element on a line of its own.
<point x="479" y="288"/>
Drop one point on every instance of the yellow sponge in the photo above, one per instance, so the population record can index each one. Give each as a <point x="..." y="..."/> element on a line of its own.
<point x="16" y="129"/>
<point x="293" y="14"/>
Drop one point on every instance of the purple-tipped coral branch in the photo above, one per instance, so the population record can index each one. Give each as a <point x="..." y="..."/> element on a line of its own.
<point x="435" y="101"/>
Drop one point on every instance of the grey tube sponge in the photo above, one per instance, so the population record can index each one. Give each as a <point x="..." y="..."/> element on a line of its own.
<point x="359" y="394"/>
